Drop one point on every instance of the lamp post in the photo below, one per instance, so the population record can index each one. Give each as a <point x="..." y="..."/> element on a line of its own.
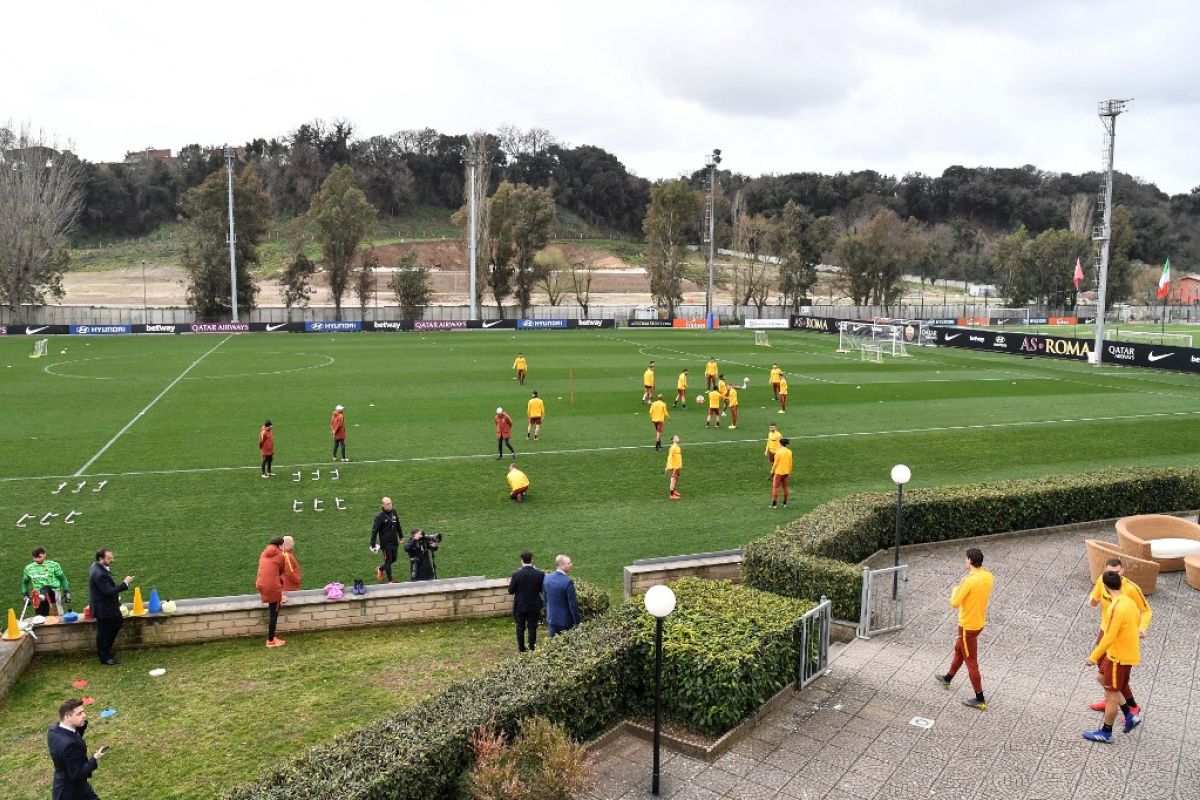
<point x="472" y="160"/>
<point x="145" y="310"/>
<point x="711" y="161"/>
<point x="230" y="155"/>
<point x="660" y="602"/>
<point x="900" y="476"/>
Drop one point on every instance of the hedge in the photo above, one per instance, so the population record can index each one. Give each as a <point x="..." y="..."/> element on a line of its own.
<point x="815" y="554"/>
<point x="585" y="680"/>
<point x="726" y="650"/>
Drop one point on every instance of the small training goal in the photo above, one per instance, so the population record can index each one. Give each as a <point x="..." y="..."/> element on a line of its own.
<point x="888" y="337"/>
<point x="761" y="339"/>
<point x="40" y="348"/>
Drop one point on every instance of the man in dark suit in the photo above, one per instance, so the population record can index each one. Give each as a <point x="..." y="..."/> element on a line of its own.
<point x="525" y="586"/>
<point x="72" y="767"/>
<point x="104" y="597"/>
<point x="562" y="609"/>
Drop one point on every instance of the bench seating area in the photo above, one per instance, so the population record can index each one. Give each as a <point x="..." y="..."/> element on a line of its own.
<point x="1161" y="538"/>
<point x="1142" y="572"/>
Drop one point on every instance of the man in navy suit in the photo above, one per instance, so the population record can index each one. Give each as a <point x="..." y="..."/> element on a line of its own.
<point x="72" y="767"/>
<point x="525" y="586"/>
<point x="562" y="609"/>
<point x="104" y="597"/>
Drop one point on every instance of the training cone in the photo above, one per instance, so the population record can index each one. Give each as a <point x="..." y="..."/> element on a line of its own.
<point x="139" y="608"/>
<point x="155" y="603"/>
<point x="13" y="632"/>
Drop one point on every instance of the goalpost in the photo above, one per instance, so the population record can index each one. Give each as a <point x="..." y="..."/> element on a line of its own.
<point x="889" y="338"/>
<point x="1008" y="316"/>
<point x="761" y="339"/>
<point x="40" y="348"/>
<point x="1153" y="337"/>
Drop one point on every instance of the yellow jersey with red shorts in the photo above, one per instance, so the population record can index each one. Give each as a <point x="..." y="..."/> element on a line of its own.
<point x="674" y="459"/>
<point x="648" y="379"/>
<point x="1119" y="649"/>
<point x="518" y="482"/>
<point x="659" y="414"/>
<point x="535" y="409"/>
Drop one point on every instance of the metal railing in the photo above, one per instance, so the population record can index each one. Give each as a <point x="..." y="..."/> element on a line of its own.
<point x="812" y="644"/>
<point x="884" y="594"/>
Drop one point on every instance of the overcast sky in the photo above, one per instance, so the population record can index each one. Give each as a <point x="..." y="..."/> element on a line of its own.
<point x="778" y="86"/>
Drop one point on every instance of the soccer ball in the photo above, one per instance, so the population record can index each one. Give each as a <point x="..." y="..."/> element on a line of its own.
<point x="745" y="382"/>
<point x="699" y="399"/>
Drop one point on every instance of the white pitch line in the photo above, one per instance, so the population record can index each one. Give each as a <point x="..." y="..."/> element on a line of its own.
<point x="613" y="448"/>
<point x="141" y="413"/>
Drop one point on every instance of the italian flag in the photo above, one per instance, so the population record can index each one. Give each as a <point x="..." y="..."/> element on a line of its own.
<point x="1164" y="282"/>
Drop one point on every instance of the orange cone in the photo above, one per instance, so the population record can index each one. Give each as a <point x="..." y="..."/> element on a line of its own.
<point x="13" y="632"/>
<point x="139" y="608"/>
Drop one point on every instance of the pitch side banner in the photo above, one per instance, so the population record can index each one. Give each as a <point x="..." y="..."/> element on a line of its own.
<point x="1026" y="344"/>
<point x="542" y="324"/>
<point x="694" y="323"/>
<point x="594" y="323"/>
<point x="818" y="324"/>
<point x="649" y="323"/>
<point x="100" y="330"/>
<point x="765" y="324"/>
<point x="333" y="327"/>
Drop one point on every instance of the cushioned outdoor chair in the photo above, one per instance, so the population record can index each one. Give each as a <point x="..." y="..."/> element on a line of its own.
<point x="1161" y="538"/>
<point x="1142" y="572"/>
<point x="1191" y="566"/>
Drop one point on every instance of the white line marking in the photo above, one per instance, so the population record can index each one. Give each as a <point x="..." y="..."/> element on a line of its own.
<point x="141" y="413"/>
<point x="613" y="448"/>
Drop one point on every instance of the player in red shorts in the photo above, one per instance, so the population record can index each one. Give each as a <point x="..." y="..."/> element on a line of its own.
<point x="1120" y="648"/>
<point x="658" y="415"/>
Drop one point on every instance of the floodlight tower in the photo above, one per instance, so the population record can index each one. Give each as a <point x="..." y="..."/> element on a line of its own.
<point x="229" y="156"/>
<point x="1102" y="233"/>
<point x="472" y="161"/>
<point x="710" y="161"/>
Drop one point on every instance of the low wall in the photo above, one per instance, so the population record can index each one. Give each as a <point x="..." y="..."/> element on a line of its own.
<point x="211" y="618"/>
<point x="14" y="657"/>
<point x="722" y="566"/>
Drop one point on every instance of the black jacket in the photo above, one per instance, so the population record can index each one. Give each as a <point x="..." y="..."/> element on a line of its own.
<point x="420" y="565"/>
<point x="104" y="594"/>
<point x="525" y="586"/>
<point x="72" y="767"/>
<point x="386" y="530"/>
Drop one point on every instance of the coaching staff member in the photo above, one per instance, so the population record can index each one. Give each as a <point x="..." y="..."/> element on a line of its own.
<point x="385" y="536"/>
<point x="104" y="596"/>
<point x="525" y="586"/>
<point x="72" y="767"/>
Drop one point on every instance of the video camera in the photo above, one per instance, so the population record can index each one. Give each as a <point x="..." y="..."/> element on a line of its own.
<point x="428" y="541"/>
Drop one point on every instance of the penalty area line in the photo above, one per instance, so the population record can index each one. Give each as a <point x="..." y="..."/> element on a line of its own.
<point x="149" y="406"/>
<point x="617" y="448"/>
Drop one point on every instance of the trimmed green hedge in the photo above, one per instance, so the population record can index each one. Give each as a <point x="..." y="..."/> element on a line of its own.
<point x="593" y="601"/>
<point x="585" y="680"/>
<point x="815" y="554"/>
<point x="726" y="650"/>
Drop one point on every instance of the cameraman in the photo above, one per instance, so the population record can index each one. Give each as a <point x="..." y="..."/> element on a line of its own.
<point x="420" y="549"/>
<point x="385" y="536"/>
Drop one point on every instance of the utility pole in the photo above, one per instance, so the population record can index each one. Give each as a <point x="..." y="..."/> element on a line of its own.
<point x="229" y="156"/>
<point x="472" y="159"/>
<point x="711" y="161"/>
<point x="1102" y="233"/>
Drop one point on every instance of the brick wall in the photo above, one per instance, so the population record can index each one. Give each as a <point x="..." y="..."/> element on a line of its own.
<point x="14" y="657"/>
<point x="245" y="616"/>
<point x="641" y="575"/>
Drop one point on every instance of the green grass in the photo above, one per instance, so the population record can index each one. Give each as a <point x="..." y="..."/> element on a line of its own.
<point x="1145" y="332"/>
<point x="227" y="711"/>
<point x="185" y="510"/>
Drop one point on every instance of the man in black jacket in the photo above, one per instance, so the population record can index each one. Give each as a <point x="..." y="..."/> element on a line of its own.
<point x="104" y="597"/>
<point x="72" y="767"/>
<point x="385" y="536"/>
<point x="419" y="547"/>
<point x="525" y="586"/>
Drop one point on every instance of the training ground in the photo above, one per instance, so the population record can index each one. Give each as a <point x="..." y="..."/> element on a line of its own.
<point x="172" y="422"/>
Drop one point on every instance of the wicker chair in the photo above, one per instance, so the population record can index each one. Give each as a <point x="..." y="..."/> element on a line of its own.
<point x="1191" y="566"/>
<point x="1134" y="535"/>
<point x="1142" y="572"/>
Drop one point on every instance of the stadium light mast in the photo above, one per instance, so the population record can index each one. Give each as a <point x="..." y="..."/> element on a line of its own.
<point x="710" y="161"/>
<point x="1102" y="233"/>
<point x="472" y="161"/>
<point x="232" y="236"/>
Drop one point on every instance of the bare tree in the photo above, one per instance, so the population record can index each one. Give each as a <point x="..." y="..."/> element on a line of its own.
<point x="582" y="274"/>
<point x="294" y="286"/>
<point x="550" y="265"/>
<point x="364" y="279"/>
<point x="1081" y="214"/>
<point x="41" y="195"/>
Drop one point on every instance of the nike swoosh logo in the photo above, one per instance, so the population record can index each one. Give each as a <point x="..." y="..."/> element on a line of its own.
<point x="951" y="336"/>
<point x="276" y="327"/>
<point x="30" y="331"/>
<point x="1152" y="358"/>
<point x="491" y="324"/>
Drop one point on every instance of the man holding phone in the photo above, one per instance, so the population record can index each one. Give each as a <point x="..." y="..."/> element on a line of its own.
<point x="72" y="767"/>
<point x="104" y="597"/>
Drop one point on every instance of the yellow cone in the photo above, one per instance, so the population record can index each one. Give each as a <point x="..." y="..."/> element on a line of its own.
<point x="139" y="608"/>
<point x="13" y="632"/>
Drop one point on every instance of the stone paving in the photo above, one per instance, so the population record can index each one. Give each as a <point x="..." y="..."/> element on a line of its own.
<point x="848" y="734"/>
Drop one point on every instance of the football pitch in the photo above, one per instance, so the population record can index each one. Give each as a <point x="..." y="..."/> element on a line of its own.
<point x="171" y="424"/>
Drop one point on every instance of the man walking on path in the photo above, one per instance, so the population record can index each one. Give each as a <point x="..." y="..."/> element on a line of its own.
<point x="1100" y="596"/>
<point x="525" y="586"/>
<point x="504" y="434"/>
<point x="562" y="608"/>
<point x="970" y="597"/>
<point x="104" y="598"/>
<point x="1120" y="649"/>
<point x="337" y="424"/>
<point x="385" y="536"/>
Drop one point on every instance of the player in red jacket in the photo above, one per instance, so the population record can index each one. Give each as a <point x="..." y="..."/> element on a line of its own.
<point x="266" y="448"/>
<point x="337" y="426"/>
<point x="504" y="425"/>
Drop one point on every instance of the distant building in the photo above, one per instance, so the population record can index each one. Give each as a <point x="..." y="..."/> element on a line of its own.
<point x="148" y="156"/>
<point x="1185" y="291"/>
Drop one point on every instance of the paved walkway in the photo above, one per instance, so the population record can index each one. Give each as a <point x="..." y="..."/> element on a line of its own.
<point x="848" y="734"/>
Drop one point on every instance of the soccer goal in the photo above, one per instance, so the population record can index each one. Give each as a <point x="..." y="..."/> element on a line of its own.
<point x="761" y="339"/>
<point x="1008" y="316"/>
<point x="889" y="338"/>
<point x="1151" y="337"/>
<point x="869" y="351"/>
<point x="40" y="348"/>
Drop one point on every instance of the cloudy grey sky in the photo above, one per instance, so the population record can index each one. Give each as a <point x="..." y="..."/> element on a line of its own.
<point x="899" y="86"/>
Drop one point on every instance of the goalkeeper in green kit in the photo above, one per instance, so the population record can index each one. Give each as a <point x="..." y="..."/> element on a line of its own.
<point x="44" y="582"/>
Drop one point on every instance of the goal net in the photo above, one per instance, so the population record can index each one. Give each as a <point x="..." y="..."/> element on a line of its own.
<point x="40" y="348"/>
<point x="1151" y="337"/>
<point x="888" y="337"/>
<point x="761" y="339"/>
<point x="870" y="352"/>
<point x="1008" y="316"/>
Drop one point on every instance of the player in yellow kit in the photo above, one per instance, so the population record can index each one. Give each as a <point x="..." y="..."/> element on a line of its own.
<point x="674" y="466"/>
<point x="776" y="375"/>
<point x="773" y="437"/>
<point x="659" y="415"/>
<point x="681" y="390"/>
<point x="1101" y="597"/>
<point x="731" y="401"/>
<point x="1117" y="653"/>
<point x="535" y="409"/>
<point x="710" y="373"/>
<point x="781" y="392"/>
<point x="781" y="472"/>
<point x="648" y="383"/>
<point x="714" y="408"/>
<point x="521" y="366"/>
<point x="518" y="484"/>
<point x="971" y="598"/>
